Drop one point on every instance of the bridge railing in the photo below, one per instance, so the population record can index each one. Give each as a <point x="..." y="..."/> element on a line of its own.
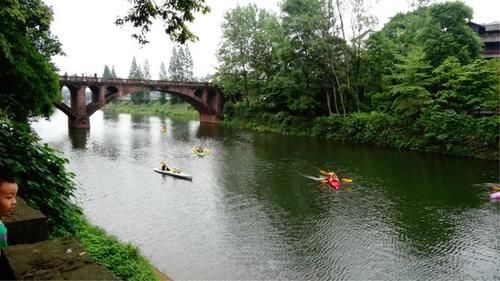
<point x="101" y="80"/>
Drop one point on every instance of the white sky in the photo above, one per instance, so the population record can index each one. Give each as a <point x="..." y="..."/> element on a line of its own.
<point x="90" y="38"/>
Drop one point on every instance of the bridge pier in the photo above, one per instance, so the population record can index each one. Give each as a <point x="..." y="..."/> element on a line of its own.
<point x="212" y="119"/>
<point x="79" y="122"/>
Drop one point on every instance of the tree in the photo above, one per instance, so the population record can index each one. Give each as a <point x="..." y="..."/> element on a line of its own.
<point x="174" y="14"/>
<point x="136" y="73"/>
<point x="163" y="72"/>
<point x="107" y="73"/>
<point x="466" y="88"/>
<point x="379" y="60"/>
<point x="448" y="34"/>
<point x="187" y="63"/>
<point x="174" y="70"/>
<point x="304" y="54"/>
<point x="28" y="79"/>
<point x="441" y="30"/>
<point x="409" y="94"/>
<point x="419" y="3"/>
<point x="238" y="29"/>
<point x="247" y="57"/>
<point x="146" y="75"/>
<point x="113" y="72"/>
<point x="163" y="76"/>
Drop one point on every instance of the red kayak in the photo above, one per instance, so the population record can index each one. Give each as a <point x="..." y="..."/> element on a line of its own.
<point x="334" y="182"/>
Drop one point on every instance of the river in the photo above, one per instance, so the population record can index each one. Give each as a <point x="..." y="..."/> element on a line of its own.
<point x="250" y="213"/>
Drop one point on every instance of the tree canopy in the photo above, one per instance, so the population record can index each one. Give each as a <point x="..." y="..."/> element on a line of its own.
<point x="174" y="14"/>
<point x="30" y="84"/>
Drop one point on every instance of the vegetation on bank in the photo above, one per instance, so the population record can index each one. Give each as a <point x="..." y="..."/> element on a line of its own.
<point x="178" y="110"/>
<point x="440" y="132"/>
<point x="419" y="83"/>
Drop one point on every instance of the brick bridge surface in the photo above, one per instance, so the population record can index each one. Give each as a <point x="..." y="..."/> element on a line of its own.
<point x="207" y="99"/>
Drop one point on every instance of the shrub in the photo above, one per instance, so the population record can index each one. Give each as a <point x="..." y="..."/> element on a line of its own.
<point x="42" y="178"/>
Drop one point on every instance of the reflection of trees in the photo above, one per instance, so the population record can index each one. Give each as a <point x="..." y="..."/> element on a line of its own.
<point x="140" y="139"/>
<point x="180" y="129"/>
<point x="78" y="137"/>
<point x="423" y="192"/>
<point x="108" y="148"/>
<point x="138" y="119"/>
<point x="214" y="131"/>
<point x="410" y="201"/>
<point x="111" y="116"/>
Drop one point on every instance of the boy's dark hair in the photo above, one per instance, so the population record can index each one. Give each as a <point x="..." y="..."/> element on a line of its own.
<point x="7" y="176"/>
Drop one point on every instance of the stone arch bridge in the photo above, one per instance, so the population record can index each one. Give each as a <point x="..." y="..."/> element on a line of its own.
<point x="207" y="99"/>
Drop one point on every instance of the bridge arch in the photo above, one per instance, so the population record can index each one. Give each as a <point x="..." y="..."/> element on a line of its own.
<point x="207" y="99"/>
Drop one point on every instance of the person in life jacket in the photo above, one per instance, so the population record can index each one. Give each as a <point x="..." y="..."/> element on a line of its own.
<point x="164" y="166"/>
<point x="333" y="181"/>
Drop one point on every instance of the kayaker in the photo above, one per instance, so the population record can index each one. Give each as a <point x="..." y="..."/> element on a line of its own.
<point x="199" y="149"/>
<point x="333" y="181"/>
<point x="164" y="166"/>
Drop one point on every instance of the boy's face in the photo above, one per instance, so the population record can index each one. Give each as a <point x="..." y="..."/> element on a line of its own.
<point x="8" y="191"/>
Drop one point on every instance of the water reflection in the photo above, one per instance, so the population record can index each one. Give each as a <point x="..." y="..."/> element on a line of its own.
<point x="78" y="137"/>
<point x="210" y="131"/>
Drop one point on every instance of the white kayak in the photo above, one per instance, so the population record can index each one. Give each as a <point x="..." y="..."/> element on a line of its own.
<point x="175" y="174"/>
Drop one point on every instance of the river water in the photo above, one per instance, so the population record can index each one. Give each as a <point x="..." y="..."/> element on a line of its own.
<point x="250" y="213"/>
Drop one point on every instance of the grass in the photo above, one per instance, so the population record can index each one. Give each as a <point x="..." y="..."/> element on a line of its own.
<point x="179" y="111"/>
<point x="124" y="260"/>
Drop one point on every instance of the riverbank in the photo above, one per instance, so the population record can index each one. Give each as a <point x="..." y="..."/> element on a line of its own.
<point x="32" y="254"/>
<point x="440" y="132"/>
<point x="178" y="111"/>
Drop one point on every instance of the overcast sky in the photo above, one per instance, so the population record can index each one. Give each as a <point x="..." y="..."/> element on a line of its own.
<point x="91" y="40"/>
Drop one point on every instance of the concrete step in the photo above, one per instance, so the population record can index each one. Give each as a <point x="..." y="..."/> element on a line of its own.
<point x="25" y="224"/>
<point x="55" y="259"/>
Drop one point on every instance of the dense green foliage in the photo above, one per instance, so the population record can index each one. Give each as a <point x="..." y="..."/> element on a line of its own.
<point x="29" y="83"/>
<point x="440" y="132"/>
<point x="179" y="110"/>
<point x="422" y="67"/>
<point x="43" y="179"/>
<point x="174" y="13"/>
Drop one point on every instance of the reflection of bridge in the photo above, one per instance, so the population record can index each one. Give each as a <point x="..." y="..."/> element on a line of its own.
<point x="203" y="96"/>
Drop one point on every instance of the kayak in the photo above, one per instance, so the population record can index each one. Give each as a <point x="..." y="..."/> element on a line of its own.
<point x="495" y="195"/>
<point x="175" y="174"/>
<point x="203" y="153"/>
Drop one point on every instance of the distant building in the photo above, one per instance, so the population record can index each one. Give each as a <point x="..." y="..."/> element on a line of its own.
<point x="490" y="36"/>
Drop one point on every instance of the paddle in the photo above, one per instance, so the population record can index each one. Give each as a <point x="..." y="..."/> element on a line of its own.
<point x="325" y="173"/>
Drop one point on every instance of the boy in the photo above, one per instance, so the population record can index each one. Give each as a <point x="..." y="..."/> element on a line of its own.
<point x="8" y="192"/>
